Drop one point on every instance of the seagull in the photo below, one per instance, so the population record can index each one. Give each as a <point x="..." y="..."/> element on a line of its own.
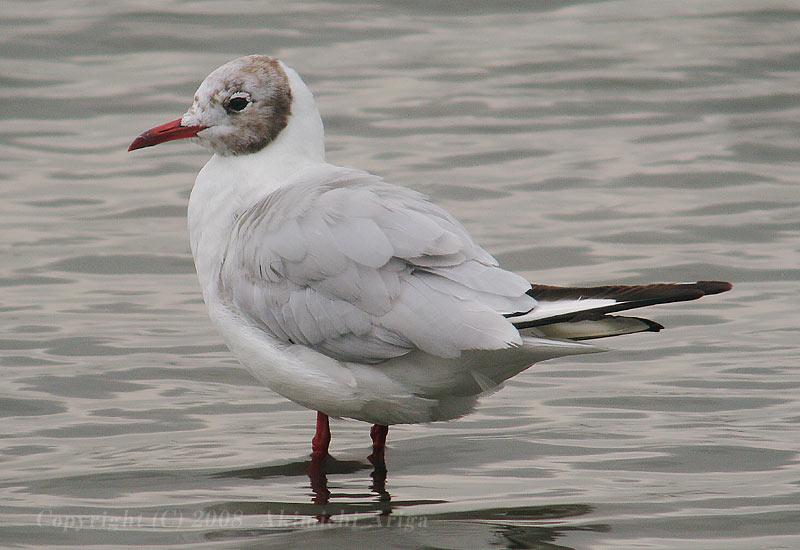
<point x="352" y="296"/>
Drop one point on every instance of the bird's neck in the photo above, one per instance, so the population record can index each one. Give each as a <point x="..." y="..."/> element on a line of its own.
<point x="227" y="185"/>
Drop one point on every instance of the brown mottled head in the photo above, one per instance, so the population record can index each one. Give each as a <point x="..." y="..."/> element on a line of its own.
<point x="242" y="106"/>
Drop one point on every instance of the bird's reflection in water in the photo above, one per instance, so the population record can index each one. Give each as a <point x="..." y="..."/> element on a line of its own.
<point x="379" y="482"/>
<point x="509" y="527"/>
<point x="321" y="465"/>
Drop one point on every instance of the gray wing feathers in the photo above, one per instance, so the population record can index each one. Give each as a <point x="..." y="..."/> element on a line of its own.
<point x="365" y="271"/>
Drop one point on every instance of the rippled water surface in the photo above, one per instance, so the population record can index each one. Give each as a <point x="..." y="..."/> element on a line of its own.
<point x="581" y="142"/>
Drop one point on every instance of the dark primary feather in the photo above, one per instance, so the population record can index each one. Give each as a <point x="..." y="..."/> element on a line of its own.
<point x="624" y="297"/>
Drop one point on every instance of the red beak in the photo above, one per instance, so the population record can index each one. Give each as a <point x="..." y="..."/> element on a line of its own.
<point x="165" y="132"/>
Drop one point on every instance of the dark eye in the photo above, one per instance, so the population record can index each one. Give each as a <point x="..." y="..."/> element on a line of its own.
<point x="237" y="104"/>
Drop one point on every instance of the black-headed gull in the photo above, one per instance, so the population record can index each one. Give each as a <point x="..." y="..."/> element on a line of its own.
<point x="352" y="296"/>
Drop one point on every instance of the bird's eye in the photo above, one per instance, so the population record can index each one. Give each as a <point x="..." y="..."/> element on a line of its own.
<point x="237" y="104"/>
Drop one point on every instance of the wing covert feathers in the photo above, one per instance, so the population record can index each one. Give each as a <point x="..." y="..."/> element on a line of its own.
<point x="364" y="271"/>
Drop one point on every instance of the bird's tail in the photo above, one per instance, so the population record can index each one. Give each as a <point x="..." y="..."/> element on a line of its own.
<point x="583" y="313"/>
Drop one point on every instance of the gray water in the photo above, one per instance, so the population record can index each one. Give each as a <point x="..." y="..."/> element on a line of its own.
<point x="580" y="142"/>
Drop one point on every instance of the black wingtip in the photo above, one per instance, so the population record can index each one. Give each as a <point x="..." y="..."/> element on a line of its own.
<point x="713" y="287"/>
<point x="624" y="297"/>
<point x="652" y="326"/>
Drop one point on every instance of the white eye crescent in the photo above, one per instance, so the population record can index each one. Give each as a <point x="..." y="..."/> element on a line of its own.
<point x="238" y="102"/>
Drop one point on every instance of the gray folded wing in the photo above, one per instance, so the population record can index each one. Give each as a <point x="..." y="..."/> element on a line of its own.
<point x="362" y="270"/>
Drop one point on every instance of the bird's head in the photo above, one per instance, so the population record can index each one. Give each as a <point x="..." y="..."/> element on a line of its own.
<point x="238" y="109"/>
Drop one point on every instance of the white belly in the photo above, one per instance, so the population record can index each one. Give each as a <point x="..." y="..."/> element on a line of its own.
<point x="414" y="388"/>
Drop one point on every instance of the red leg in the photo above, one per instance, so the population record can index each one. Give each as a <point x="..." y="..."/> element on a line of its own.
<point x="322" y="438"/>
<point x="378" y="434"/>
